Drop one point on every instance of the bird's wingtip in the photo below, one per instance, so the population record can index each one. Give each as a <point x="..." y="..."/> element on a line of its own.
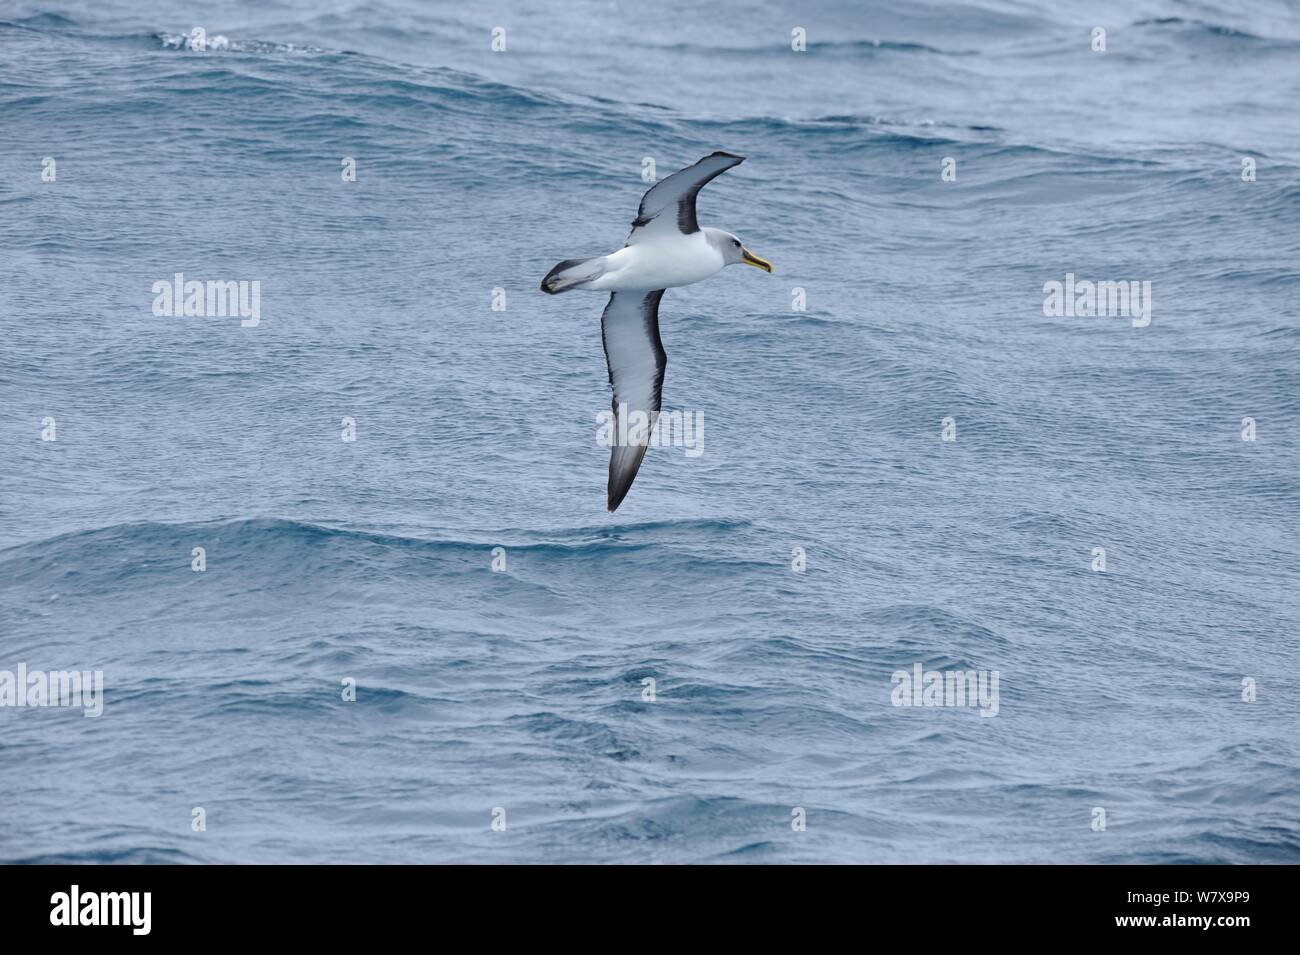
<point x="614" y="496"/>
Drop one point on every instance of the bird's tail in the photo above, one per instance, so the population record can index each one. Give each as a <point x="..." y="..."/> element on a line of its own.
<point x="572" y="273"/>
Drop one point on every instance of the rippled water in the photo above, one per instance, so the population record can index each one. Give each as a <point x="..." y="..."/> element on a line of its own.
<point x="475" y="429"/>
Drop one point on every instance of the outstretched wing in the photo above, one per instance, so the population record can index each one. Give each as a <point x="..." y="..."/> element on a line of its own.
<point x="669" y="205"/>
<point x="636" y="358"/>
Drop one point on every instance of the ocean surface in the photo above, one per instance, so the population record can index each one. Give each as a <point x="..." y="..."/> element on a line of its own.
<point x="520" y="695"/>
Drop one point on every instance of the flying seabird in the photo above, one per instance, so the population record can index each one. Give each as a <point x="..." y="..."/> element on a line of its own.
<point x="666" y="248"/>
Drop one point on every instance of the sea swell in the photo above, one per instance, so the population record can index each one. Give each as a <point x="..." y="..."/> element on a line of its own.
<point x="349" y="574"/>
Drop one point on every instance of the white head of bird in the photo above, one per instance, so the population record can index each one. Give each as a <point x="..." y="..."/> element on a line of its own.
<point x="733" y="250"/>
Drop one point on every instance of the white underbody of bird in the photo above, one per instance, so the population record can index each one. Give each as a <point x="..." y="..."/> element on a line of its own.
<point x="666" y="249"/>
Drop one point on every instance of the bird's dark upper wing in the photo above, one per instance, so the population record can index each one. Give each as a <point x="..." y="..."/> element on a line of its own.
<point x="669" y="205"/>
<point x="636" y="358"/>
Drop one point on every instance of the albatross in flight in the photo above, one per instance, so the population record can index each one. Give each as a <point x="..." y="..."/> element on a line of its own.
<point x="666" y="248"/>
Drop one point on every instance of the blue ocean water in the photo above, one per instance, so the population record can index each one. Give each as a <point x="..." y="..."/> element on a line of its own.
<point x="524" y="690"/>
